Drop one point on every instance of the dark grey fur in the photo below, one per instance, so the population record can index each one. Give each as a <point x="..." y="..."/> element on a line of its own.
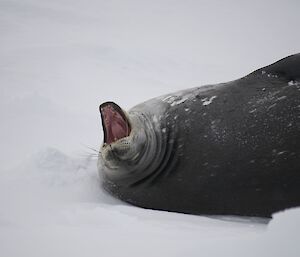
<point x="231" y="148"/>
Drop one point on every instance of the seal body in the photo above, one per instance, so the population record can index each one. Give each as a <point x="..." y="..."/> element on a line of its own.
<point x="225" y="149"/>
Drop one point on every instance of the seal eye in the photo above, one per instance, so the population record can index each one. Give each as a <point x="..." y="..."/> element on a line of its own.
<point x="114" y="121"/>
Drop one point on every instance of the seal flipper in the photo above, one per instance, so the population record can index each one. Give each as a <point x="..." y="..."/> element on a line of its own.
<point x="288" y="67"/>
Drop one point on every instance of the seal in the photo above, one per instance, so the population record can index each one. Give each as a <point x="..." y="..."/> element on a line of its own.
<point x="226" y="149"/>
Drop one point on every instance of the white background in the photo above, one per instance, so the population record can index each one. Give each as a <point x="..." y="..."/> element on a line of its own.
<point x="60" y="59"/>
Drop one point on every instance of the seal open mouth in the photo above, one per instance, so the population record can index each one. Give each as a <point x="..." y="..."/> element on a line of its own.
<point x="114" y="121"/>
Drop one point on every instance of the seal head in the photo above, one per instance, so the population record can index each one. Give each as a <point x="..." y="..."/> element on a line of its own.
<point x="131" y="143"/>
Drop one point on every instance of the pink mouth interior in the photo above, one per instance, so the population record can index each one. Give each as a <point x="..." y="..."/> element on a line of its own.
<point x="115" y="123"/>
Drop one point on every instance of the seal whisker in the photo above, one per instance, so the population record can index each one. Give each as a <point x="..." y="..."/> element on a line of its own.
<point x="90" y="148"/>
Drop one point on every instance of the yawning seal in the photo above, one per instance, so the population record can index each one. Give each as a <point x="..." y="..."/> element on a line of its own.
<point x="231" y="148"/>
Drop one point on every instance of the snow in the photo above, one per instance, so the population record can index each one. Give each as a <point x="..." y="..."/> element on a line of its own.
<point x="60" y="59"/>
<point x="207" y="101"/>
<point x="293" y="83"/>
<point x="282" y="97"/>
<point x="179" y="101"/>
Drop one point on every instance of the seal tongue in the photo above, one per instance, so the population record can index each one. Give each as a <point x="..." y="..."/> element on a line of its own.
<point x="114" y="121"/>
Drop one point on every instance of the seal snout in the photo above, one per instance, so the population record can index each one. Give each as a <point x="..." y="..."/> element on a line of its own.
<point x="114" y="121"/>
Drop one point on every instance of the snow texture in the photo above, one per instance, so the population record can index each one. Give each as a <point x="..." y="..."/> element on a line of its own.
<point x="60" y="59"/>
<point x="207" y="101"/>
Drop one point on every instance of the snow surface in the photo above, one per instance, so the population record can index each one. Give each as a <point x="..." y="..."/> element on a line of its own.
<point x="207" y="101"/>
<point x="60" y="59"/>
